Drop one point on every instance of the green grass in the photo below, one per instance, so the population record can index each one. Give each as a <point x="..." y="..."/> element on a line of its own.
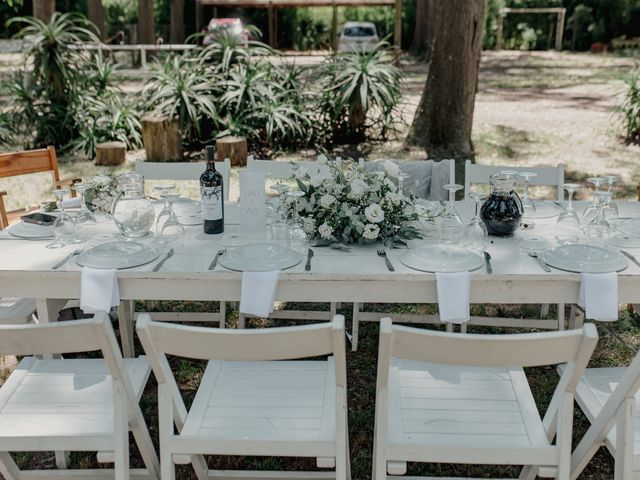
<point x="617" y="345"/>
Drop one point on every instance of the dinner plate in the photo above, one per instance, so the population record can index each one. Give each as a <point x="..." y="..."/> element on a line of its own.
<point x="117" y="255"/>
<point x="584" y="258"/>
<point x="437" y="258"/>
<point x="260" y="257"/>
<point x="30" y="230"/>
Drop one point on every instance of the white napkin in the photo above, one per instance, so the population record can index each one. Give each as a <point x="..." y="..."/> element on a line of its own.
<point x="98" y="290"/>
<point x="599" y="295"/>
<point x="71" y="202"/>
<point x="258" y="292"/>
<point x="453" y="296"/>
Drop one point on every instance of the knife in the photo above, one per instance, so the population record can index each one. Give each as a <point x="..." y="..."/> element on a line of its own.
<point x="164" y="259"/>
<point x="630" y="257"/>
<point x="307" y="267"/>
<point x="487" y="262"/>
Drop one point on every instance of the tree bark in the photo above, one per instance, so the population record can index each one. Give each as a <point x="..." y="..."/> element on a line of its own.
<point x="177" y="21"/>
<point x="233" y="148"/>
<point x="443" y="120"/>
<point x="423" y="33"/>
<point x="161" y="138"/>
<point x="43" y="9"/>
<point x="146" y="22"/>
<point x="97" y="16"/>
<point x="111" y="153"/>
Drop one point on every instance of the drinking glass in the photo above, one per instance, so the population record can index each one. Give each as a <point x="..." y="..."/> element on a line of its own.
<point x="598" y="227"/>
<point x="166" y="210"/>
<point x="84" y="215"/>
<point x="451" y="229"/>
<point x="610" y="207"/>
<point x="279" y="220"/>
<point x="172" y="229"/>
<point x="568" y="222"/>
<point x="64" y="226"/>
<point x="476" y="236"/>
<point x="528" y="205"/>
<point x="402" y="176"/>
<point x="296" y="236"/>
<point x="590" y="212"/>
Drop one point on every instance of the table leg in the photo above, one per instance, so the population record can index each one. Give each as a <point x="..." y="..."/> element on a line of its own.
<point x="125" y="323"/>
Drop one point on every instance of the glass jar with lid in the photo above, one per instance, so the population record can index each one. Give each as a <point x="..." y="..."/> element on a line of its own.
<point x="502" y="210"/>
<point x="132" y="212"/>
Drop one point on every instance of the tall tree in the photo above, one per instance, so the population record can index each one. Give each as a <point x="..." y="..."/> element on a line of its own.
<point x="97" y="16"/>
<point x="146" y="23"/>
<point x="443" y="120"/>
<point x="177" y="21"/>
<point x="423" y="32"/>
<point x="43" y="9"/>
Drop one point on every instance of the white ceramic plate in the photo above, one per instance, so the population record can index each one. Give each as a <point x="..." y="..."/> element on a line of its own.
<point x="30" y="230"/>
<point x="546" y="209"/>
<point x="528" y="241"/>
<point x="583" y="258"/>
<point x="260" y="257"/>
<point x="117" y="255"/>
<point x="436" y="258"/>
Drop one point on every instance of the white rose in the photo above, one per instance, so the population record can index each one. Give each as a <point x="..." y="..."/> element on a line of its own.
<point x="325" y="230"/>
<point x="322" y="159"/>
<point x="394" y="198"/>
<point x="392" y="169"/>
<point x="389" y="183"/>
<point x="327" y="200"/>
<point x="374" y="213"/>
<point x="309" y="226"/>
<point x="371" y="231"/>
<point x="300" y="172"/>
<point x="358" y="188"/>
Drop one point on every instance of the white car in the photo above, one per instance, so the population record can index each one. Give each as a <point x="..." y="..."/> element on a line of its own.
<point x="359" y="37"/>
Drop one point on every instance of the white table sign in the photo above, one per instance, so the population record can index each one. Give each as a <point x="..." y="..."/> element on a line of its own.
<point x="252" y="202"/>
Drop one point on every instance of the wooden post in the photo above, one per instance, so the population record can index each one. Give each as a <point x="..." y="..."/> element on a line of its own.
<point x="560" y="29"/>
<point x="146" y="24"/>
<point x="97" y="15"/>
<point x="233" y="148"/>
<point x="177" y="21"/>
<point x="111" y="153"/>
<point x="397" y="32"/>
<point x="334" y="27"/>
<point x="270" y="25"/>
<point x="44" y="9"/>
<point x="500" y="34"/>
<point x="199" y="16"/>
<point x="161" y="138"/>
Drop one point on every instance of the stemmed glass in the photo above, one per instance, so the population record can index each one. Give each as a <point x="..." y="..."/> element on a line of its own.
<point x="528" y="205"/>
<point x="64" y="226"/>
<point x="451" y="229"/>
<point x="402" y="176"/>
<point x="568" y="221"/>
<point x="172" y="230"/>
<point x="84" y="215"/>
<point x="163" y="190"/>
<point x="610" y="207"/>
<point x="296" y="236"/>
<point x="591" y="211"/>
<point x="475" y="232"/>
<point x="279" y="221"/>
<point x="598" y="228"/>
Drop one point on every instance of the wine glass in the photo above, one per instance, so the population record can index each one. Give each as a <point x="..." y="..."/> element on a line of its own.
<point x="591" y="211"/>
<point x="84" y="215"/>
<point x="451" y="229"/>
<point x="476" y="236"/>
<point x="528" y="205"/>
<point x="598" y="227"/>
<point x="166" y="210"/>
<point x="296" y="236"/>
<point x="568" y="222"/>
<point x="64" y="226"/>
<point x="610" y="207"/>
<point x="279" y="221"/>
<point x="172" y="230"/>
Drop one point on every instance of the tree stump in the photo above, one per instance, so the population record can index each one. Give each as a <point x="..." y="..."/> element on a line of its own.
<point x="233" y="148"/>
<point x="161" y="138"/>
<point x="111" y="153"/>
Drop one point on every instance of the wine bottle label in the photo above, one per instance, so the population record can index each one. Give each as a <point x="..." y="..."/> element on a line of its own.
<point x="211" y="202"/>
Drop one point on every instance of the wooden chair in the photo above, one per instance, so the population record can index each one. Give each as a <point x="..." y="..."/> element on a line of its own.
<point x="23" y="163"/>
<point x="78" y="404"/>
<point x="608" y="398"/>
<point x="182" y="171"/>
<point x="452" y="398"/>
<point x="255" y="398"/>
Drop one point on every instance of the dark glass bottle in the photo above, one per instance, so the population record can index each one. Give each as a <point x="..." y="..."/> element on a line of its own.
<point x="212" y="195"/>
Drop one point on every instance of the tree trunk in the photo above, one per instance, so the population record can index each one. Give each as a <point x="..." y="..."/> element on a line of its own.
<point x="443" y="120"/>
<point x="146" y="23"/>
<point x="177" y="21"/>
<point x="423" y="33"/>
<point x="97" y="15"/>
<point x="43" y="9"/>
<point x="111" y="153"/>
<point x="233" y="148"/>
<point x="161" y="138"/>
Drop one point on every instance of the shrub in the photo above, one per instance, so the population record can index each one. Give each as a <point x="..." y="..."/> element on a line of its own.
<point x="630" y="107"/>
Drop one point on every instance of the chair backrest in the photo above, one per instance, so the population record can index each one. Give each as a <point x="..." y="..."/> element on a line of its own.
<point x="547" y="176"/>
<point x="31" y="161"/>
<point x="426" y="177"/>
<point x="278" y="170"/>
<point x="182" y="171"/>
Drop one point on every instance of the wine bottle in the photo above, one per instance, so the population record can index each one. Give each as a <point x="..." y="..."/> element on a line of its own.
<point x="212" y="195"/>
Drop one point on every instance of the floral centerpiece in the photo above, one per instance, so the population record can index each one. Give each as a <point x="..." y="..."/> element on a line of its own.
<point x="104" y="190"/>
<point x="343" y="203"/>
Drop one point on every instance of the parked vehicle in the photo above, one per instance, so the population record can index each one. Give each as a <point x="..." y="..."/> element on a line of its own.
<point x="358" y="36"/>
<point x="230" y="25"/>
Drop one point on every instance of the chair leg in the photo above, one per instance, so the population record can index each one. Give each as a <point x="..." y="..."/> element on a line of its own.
<point x="333" y="309"/>
<point x="528" y="472"/>
<point x="8" y="467"/>
<point x="576" y="318"/>
<point x="125" y="324"/>
<point x="62" y="460"/>
<point x="355" y="327"/>
<point x="242" y="321"/>
<point x="544" y="310"/>
<point x="165" y="427"/>
<point x="561" y="319"/>
<point x="120" y="433"/>
<point x="223" y="314"/>
<point x="624" y="440"/>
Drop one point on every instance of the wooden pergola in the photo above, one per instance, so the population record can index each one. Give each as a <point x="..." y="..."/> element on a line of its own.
<point x="558" y="11"/>
<point x="272" y="5"/>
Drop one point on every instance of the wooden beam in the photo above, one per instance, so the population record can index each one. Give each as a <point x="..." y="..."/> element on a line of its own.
<point x="177" y="21"/>
<point x="297" y="3"/>
<point x="146" y="23"/>
<point x="500" y="34"/>
<point x="560" y="29"/>
<point x="334" y="27"/>
<point x="44" y="9"/>
<point x="199" y="15"/>
<point x="532" y="10"/>
<point x="271" y="27"/>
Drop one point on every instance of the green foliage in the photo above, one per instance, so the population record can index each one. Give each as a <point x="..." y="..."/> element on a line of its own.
<point x="630" y="107"/>
<point x="120" y="13"/>
<point x="360" y="93"/>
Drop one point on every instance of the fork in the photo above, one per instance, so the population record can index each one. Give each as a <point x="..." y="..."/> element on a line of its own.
<point x="382" y="253"/>
<point x="541" y="262"/>
<point x="66" y="259"/>
<point x="221" y="252"/>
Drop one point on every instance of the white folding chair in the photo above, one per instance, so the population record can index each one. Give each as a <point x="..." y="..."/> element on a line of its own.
<point x="255" y="398"/>
<point x="452" y="398"/>
<point x="17" y="310"/>
<point x="426" y="188"/>
<point x="609" y="399"/>
<point x="75" y="404"/>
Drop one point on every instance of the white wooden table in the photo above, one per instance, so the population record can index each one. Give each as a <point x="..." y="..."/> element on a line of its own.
<point x="335" y="276"/>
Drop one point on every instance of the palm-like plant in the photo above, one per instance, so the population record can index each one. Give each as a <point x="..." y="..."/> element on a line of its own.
<point x="229" y="49"/>
<point x="630" y="106"/>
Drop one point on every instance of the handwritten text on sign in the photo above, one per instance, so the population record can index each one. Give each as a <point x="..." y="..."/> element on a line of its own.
<point x="252" y="202"/>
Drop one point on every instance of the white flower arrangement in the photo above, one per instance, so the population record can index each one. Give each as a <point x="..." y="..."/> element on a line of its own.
<point x="345" y="204"/>
<point x="104" y="190"/>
